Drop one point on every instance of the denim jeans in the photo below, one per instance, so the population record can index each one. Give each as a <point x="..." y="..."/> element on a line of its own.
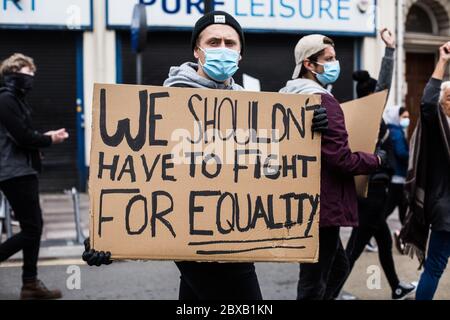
<point x="435" y="264"/>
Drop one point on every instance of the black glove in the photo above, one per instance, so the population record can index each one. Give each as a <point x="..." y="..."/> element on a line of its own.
<point x="320" y="120"/>
<point x="95" y="258"/>
<point x="382" y="157"/>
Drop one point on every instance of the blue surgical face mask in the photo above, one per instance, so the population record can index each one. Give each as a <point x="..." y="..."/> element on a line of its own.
<point x="330" y="74"/>
<point x="404" y="123"/>
<point x="220" y="63"/>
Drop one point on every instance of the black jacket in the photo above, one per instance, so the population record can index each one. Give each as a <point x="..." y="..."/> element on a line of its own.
<point x="19" y="142"/>
<point x="428" y="179"/>
<point x="437" y="185"/>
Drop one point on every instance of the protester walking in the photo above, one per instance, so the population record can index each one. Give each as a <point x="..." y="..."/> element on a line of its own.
<point x="428" y="182"/>
<point x="397" y="128"/>
<point x="398" y="123"/>
<point x="20" y="164"/>
<point x="218" y="45"/>
<point x="316" y="69"/>
<point x="371" y="210"/>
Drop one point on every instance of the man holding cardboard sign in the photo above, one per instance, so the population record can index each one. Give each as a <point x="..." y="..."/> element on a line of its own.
<point x="317" y="68"/>
<point x="247" y="212"/>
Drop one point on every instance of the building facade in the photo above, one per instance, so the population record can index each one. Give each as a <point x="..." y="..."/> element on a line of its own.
<point x="426" y="27"/>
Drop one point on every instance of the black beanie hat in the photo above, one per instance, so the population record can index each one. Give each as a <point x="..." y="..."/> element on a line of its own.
<point x="216" y="17"/>
<point x="365" y="84"/>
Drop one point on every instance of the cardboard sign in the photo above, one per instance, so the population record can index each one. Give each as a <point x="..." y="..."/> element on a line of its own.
<point x="362" y="120"/>
<point x="204" y="175"/>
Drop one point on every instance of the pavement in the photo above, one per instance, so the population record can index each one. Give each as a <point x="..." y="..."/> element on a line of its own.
<point x="59" y="237"/>
<point x="60" y="266"/>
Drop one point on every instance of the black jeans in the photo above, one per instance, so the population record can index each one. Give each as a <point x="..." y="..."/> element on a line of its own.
<point x="360" y="238"/>
<point x="372" y="223"/>
<point x="320" y="281"/>
<point x="218" y="281"/>
<point x="396" y="197"/>
<point x="23" y="196"/>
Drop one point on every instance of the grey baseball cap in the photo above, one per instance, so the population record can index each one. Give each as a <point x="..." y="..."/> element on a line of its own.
<point x="306" y="47"/>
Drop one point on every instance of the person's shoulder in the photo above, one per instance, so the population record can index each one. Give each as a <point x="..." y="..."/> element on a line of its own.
<point x="393" y="127"/>
<point x="6" y="97"/>
<point x="395" y="131"/>
<point x="329" y="101"/>
<point x="4" y="92"/>
<point x="328" y="97"/>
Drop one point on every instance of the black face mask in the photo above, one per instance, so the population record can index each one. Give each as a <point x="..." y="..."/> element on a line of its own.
<point x="19" y="81"/>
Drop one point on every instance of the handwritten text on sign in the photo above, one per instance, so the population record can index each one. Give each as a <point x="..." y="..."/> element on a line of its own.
<point x="195" y="174"/>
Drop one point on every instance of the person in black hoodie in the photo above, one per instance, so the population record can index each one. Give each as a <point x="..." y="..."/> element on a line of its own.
<point x="19" y="165"/>
<point x="218" y="45"/>
<point x="371" y="210"/>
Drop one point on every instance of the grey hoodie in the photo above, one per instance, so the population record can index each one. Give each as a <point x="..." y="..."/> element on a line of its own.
<point x="304" y="86"/>
<point x="186" y="75"/>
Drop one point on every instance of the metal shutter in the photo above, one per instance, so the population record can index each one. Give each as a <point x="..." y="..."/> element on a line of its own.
<point x="53" y="98"/>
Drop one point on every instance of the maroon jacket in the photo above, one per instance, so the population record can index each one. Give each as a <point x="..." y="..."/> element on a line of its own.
<point x="338" y="204"/>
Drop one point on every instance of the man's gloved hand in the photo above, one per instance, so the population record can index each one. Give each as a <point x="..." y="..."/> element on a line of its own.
<point x="382" y="157"/>
<point x="320" y="120"/>
<point x="95" y="258"/>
